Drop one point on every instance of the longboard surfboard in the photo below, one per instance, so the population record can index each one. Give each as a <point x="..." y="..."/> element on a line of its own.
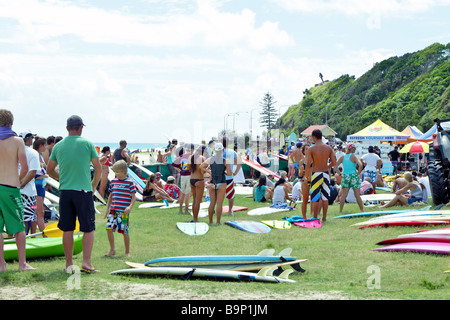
<point x="260" y="168"/>
<point x="264" y="275"/>
<point x="379" y="212"/>
<point x="248" y="266"/>
<point x="283" y="256"/>
<point x="426" y="247"/>
<point x="278" y="224"/>
<point x="250" y="226"/>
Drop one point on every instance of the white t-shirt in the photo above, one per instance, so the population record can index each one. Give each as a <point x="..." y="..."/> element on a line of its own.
<point x="33" y="164"/>
<point x="297" y="191"/>
<point x="371" y="161"/>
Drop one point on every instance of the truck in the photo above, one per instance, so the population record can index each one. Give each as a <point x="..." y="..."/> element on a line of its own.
<point x="439" y="162"/>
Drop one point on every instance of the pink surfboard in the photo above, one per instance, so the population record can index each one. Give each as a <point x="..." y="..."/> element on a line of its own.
<point x="309" y="223"/>
<point x="225" y="209"/>
<point x="418" y="238"/>
<point x="426" y="247"/>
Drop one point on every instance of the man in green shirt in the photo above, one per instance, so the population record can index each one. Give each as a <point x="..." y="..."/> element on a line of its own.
<point x="74" y="155"/>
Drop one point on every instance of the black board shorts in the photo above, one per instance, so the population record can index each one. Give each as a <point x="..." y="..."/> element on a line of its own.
<point x="73" y="204"/>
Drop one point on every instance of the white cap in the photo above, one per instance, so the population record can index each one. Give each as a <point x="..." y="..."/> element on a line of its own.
<point x="26" y="133"/>
<point x="218" y="147"/>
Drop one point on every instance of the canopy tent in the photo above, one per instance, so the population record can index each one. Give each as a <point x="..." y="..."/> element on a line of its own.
<point x="412" y="132"/>
<point x="427" y="136"/>
<point x="379" y="131"/>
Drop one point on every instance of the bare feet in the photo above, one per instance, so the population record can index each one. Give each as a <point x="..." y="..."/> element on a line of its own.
<point x="25" y="267"/>
<point x="111" y="253"/>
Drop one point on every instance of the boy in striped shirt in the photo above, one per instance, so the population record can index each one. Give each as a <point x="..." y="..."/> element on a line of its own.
<point x="121" y="199"/>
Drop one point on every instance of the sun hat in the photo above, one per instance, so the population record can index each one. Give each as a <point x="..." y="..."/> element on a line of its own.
<point x="218" y="146"/>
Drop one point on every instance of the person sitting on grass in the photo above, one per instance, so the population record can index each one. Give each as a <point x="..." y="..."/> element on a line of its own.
<point x="400" y="199"/>
<point x="122" y="195"/>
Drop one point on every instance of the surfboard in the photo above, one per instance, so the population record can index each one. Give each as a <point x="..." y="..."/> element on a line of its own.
<point x="434" y="231"/>
<point x="278" y="224"/>
<point x="280" y="156"/>
<point x="51" y="197"/>
<point x="193" y="228"/>
<point x="417" y="213"/>
<point x="260" y="168"/>
<point x="55" y="184"/>
<point x="250" y="226"/>
<point x="309" y="223"/>
<point x="243" y="190"/>
<point x="266" y="210"/>
<point x="378" y="197"/>
<point x="140" y="185"/>
<point x="225" y="209"/>
<point x="151" y="205"/>
<point x="384" y="189"/>
<point x="283" y="256"/>
<point x="264" y="275"/>
<point x="419" y="238"/>
<point x="427" y="217"/>
<point x="404" y="223"/>
<point x="246" y="266"/>
<point x="380" y="212"/>
<point x="426" y="247"/>
<point x="147" y="171"/>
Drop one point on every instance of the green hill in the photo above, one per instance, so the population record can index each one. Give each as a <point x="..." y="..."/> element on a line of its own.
<point x="415" y="83"/>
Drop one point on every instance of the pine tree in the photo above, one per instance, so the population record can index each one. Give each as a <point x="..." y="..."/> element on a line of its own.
<point x="268" y="113"/>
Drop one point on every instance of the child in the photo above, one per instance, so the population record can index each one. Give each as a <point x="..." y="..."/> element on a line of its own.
<point x="121" y="199"/>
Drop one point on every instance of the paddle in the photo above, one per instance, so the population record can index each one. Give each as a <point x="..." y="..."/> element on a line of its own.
<point x="51" y="230"/>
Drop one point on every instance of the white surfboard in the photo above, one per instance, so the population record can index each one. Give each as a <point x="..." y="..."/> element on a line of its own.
<point x="378" y="197"/>
<point x="193" y="228"/>
<point x="265" y="210"/>
<point x="264" y="275"/>
<point x="151" y="205"/>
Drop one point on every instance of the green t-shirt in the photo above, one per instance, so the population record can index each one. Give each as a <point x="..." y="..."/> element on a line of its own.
<point x="73" y="155"/>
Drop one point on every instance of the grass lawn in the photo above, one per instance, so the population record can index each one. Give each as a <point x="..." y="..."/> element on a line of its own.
<point x="340" y="262"/>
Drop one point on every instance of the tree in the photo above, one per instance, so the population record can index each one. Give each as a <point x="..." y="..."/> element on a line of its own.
<point x="268" y="113"/>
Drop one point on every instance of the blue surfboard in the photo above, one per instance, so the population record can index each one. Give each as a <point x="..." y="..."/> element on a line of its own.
<point x="250" y="226"/>
<point x="381" y="212"/>
<point x="140" y="185"/>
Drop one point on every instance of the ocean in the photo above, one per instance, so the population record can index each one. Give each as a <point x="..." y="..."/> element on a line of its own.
<point x="143" y="146"/>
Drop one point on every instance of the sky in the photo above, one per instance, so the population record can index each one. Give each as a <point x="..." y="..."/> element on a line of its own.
<point x="148" y="70"/>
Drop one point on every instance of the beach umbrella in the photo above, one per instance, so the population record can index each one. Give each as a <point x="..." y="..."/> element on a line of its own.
<point x="416" y="147"/>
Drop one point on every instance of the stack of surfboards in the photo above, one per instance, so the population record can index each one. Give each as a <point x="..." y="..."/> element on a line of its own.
<point x="429" y="241"/>
<point x="264" y="267"/>
<point x="411" y="218"/>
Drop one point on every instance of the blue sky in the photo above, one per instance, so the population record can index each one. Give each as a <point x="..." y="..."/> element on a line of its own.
<point x="140" y="70"/>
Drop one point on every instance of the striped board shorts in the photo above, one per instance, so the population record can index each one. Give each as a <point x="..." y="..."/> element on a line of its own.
<point x="320" y="186"/>
<point x="29" y="208"/>
<point x="230" y="189"/>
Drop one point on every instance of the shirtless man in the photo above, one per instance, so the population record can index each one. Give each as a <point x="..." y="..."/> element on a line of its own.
<point x="297" y="157"/>
<point x="317" y="175"/>
<point x="12" y="152"/>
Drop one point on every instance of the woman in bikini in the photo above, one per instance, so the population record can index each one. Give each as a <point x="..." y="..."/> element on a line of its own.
<point x="219" y="168"/>
<point x="105" y="161"/>
<point x="152" y="192"/>
<point x="197" y="180"/>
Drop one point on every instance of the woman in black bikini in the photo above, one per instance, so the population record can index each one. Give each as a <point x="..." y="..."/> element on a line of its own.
<point x="152" y="192"/>
<point x="197" y="180"/>
<point x="219" y="167"/>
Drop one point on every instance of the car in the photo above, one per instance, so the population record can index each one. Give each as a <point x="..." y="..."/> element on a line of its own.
<point x="439" y="163"/>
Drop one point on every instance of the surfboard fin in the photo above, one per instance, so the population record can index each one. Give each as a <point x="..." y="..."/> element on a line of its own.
<point x="187" y="275"/>
<point x="297" y="267"/>
<point x="266" y="252"/>
<point x="267" y="271"/>
<point x="285" y="252"/>
<point x="285" y="274"/>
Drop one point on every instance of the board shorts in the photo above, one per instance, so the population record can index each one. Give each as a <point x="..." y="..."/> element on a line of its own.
<point x="230" y="189"/>
<point x="185" y="184"/>
<point x="372" y="175"/>
<point x="411" y="200"/>
<point x="11" y="210"/>
<point x="351" y="181"/>
<point x="29" y="208"/>
<point x="320" y="186"/>
<point x="73" y="204"/>
<point x="118" y="221"/>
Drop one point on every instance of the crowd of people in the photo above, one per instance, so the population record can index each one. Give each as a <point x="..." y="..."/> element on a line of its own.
<point x="322" y="176"/>
<point x="317" y="174"/>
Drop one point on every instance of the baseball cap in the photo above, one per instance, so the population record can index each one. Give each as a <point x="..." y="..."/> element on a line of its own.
<point x="74" y="121"/>
<point x="25" y="133"/>
<point x="170" y="179"/>
<point x="218" y="146"/>
<point x="350" y="146"/>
